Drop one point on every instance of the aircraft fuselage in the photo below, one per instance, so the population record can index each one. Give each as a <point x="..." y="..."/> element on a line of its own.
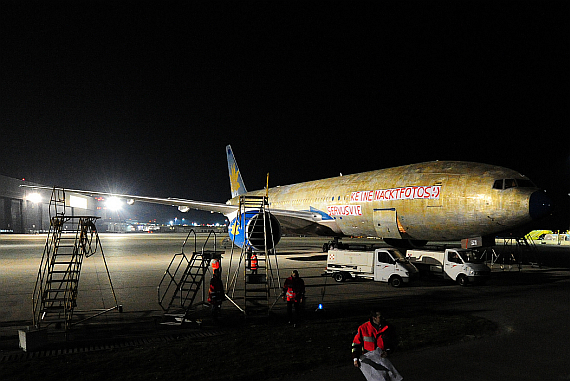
<point x="441" y="200"/>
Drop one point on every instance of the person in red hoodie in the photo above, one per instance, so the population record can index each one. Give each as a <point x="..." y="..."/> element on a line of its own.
<point x="294" y="293"/>
<point x="370" y="349"/>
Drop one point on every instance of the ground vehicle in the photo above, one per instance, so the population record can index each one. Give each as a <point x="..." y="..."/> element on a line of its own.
<point x="460" y="265"/>
<point x="383" y="265"/>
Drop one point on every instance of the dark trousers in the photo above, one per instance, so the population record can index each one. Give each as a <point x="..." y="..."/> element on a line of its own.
<point x="216" y="307"/>
<point x="293" y="318"/>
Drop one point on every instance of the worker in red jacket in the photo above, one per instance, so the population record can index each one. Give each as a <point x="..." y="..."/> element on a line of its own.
<point x="294" y="293"/>
<point x="370" y="349"/>
<point x="253" y="264"/>
<point x="216" y="294"/>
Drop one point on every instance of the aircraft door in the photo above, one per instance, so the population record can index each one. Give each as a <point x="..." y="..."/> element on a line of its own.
<point x="386" y="223"/>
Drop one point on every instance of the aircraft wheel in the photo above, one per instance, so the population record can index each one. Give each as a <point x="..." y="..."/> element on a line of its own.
<point x="396" y="281"/>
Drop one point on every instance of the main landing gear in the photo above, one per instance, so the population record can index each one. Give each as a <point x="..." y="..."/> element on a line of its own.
<point x="334" y="244"/>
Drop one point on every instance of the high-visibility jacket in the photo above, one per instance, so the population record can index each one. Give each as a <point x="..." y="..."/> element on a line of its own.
<point x="253" y="262"/>
<point x="216" y="291"/>
<point x="368" y="338"/>
<point x="294" y="289"/>
<point x="215" y="264"/>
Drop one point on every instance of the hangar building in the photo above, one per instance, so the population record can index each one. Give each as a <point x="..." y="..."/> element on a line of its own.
<point x="26" y="210"/>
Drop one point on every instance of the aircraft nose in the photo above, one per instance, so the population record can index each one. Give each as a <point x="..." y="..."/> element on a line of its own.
<point x="539" y="205"/>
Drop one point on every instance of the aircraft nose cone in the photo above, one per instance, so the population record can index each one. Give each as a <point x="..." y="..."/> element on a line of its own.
<point x="539" y="205"/>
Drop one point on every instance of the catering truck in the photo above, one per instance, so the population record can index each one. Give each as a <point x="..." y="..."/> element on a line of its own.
<point x="382" y="265"/>
<point x="459" y="265"/>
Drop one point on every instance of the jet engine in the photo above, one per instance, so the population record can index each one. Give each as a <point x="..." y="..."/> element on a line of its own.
<point x="255" y="228"/>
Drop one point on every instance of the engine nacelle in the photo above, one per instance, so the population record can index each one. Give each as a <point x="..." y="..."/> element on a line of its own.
<point x="183" y="209"/>
<point x="254" y="229"/>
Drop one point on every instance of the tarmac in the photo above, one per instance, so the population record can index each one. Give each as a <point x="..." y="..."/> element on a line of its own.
<point x="533" y="343"/>
<point x="531" y="306"/>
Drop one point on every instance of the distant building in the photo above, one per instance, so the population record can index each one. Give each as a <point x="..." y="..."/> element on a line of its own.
<point x="26" y="210"/>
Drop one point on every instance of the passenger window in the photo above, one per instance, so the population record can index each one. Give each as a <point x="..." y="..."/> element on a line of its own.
<point x="498" y="184"/>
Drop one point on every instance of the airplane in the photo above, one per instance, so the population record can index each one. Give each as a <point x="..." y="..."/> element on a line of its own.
<point x="405" y="206"/>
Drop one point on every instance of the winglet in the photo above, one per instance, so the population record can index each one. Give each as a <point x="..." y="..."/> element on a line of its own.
<point x="236" y="182"/>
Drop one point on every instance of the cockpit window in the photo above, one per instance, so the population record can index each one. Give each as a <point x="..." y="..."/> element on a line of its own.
<point x="498" y="184"/>
<point x="525" y="183"/>
<point x="512" y="183"/>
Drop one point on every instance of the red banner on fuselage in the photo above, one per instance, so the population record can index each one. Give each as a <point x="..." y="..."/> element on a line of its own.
<point x="344" y="210"/>
<point x="404" y="193"/>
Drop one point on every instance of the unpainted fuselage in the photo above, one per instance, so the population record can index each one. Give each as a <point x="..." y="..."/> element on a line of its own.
<point x="441" y="200"/>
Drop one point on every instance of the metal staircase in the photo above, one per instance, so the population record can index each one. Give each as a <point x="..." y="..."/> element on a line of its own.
<point x="527" y="251"/>
<point x="515" y="250"/>
<point x="185" y="277"/>
<point x="56" y="289"/>
<point x="259" y="284"/>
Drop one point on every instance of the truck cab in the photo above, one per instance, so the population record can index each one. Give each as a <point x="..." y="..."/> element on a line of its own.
<point x="460" y="265"/>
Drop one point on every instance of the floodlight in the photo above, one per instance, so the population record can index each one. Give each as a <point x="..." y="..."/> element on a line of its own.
<point x="34" y="197"/>
<point x="114" y="203"/>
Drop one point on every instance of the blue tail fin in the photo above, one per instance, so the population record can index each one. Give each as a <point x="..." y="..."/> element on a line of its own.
<point x="236" y="182"/>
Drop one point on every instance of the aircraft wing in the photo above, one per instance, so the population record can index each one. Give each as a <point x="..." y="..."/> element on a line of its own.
<point x="305" y="222"/>
<point x="199" y="205"/>
<point x="293" y="221"/>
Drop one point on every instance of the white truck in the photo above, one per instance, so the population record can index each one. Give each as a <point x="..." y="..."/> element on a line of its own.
<point x="459" y="265"/>
<point x="382" y="265"/>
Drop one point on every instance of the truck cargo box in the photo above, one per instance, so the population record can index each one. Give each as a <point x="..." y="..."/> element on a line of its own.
<point x="360" y="261"/>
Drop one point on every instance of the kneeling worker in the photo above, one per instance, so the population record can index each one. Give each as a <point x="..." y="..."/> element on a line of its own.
<point x="369" y="350"/>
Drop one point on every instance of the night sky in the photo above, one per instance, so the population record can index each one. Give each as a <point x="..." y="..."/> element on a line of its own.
<point x="142" y="98"/>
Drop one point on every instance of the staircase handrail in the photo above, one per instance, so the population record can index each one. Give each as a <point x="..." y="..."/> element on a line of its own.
<point x="208" y="238"/>
<point x="187" y="236"/>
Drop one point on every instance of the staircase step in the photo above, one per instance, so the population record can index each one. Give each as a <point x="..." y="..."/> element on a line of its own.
<point x="57" y="291"/>
<point x="257" y="297"/>
<point x="53" y="308"/>
<point x="55" y="305"/>
<point x="248" y="290"/>
<point x="189" y="288"/>
<point x="64" y="271"/>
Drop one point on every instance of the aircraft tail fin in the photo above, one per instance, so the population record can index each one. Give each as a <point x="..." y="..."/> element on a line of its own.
<point x="236" y="182"/>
